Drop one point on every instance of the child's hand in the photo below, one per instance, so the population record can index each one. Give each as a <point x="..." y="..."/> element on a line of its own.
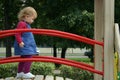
<point x="21" y="44"/>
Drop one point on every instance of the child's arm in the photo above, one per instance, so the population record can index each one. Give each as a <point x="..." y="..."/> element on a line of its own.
<point x="18" y="36"/>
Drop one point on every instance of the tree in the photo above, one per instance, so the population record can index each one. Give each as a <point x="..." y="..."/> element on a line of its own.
<point x="64" y="15"/>
<point x="68" y="16"/>
<point x="9" y="21"/>
<point x="7" y="25"/>
<point x="117" y="13"/>
<point x="1" y="20"/>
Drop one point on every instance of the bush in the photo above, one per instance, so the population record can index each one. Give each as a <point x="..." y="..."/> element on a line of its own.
<point x="42" y="68"/>
<point x="8" y="70"/>
<point x="75" y="73"/>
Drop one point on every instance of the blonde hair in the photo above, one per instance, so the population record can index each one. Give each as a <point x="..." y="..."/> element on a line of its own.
<point x="27" y="11"/>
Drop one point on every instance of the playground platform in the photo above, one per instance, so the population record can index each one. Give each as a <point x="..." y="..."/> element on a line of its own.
<point x="40" y="77"/>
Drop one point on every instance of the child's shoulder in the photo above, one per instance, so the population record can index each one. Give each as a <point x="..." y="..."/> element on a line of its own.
<point x="22" y="23"/>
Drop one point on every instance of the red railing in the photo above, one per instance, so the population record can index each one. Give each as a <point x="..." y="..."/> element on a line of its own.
<point x="56" y="33"/>
<point x="52" y="33"/>
<point x="53" y="60"/>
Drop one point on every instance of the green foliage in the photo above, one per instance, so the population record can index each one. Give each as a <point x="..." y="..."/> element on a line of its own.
<point x="65" y="15"/>
<point x="8" y="70"/>
<point x="75" y="73"/>
<point x="117" y="13"/>
<point x="86" y="60"/>
<point x="69" y="16"/>
<point x="42" y="68"/>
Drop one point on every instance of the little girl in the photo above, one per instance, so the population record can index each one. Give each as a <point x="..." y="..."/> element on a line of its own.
<point x="24" y="44"/>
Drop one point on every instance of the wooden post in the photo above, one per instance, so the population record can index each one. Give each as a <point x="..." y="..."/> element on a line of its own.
<point x="104" y="28"/>
<point x="109" y="40"/>
<point x="99" y="35"/>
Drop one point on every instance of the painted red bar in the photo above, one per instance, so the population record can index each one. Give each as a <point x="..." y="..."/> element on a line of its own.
<point x="54" y="33"/>
<point x="50" y="60"/>
<point x="47" y="57"/>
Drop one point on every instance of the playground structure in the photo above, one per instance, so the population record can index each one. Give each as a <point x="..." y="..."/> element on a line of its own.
<point x="56" y="33"/>
<point x="104" y="32"/>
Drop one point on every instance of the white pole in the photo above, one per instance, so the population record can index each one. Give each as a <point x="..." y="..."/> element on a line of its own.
<point x="99" y="35"/>
<point x="109" y="40"/>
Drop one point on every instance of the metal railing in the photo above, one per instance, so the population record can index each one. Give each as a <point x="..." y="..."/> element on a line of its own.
<point x="56" y="33"/>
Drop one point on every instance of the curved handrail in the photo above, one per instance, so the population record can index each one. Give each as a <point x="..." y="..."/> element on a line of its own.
<point x="81" y="63"/>
<point x="56" y="33"/>
<point x="52" y="33"/>
<point x="51" y="59"/>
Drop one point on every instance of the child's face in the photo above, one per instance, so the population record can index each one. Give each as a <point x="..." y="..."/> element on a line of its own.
<point x="29" y="19"/>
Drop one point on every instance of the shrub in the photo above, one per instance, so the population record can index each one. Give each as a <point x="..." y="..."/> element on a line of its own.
<point x="42" y="68"/>
<point x="8" y="70"/>
<point x="75" y="73"/>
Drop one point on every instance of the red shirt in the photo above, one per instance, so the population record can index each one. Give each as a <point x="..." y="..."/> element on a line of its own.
<point x="20" y="25"/>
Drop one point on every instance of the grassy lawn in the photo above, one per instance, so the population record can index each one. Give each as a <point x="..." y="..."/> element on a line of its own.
<point x="2" y="54"/>
<point x="80" y="59"/>
<point x="49" y="54"/>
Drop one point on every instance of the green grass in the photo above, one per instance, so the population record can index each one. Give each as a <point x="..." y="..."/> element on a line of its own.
<point x="67" y="54"/>
<point x="80" y="59"/>
<point x="49" y="54"/>
<point x="2" y="54"/>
